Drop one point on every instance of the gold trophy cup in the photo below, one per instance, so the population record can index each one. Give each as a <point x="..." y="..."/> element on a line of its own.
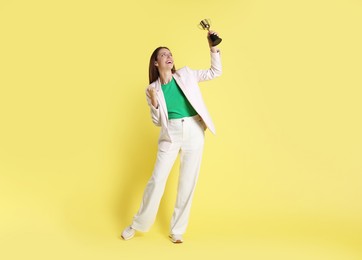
<point x="205" y="25"/>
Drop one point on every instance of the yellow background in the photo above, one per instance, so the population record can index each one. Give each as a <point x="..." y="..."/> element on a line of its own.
<point x="280" y="180"/>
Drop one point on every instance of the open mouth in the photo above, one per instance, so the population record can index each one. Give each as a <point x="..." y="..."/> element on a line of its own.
<point x="169" y="62"/>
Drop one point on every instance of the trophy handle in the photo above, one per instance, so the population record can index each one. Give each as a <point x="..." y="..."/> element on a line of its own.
<point x="200" y="27"/>
<point x="208" y="20"/>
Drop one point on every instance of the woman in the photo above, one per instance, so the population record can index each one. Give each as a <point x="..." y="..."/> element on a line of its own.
<point x="177" y="106"/>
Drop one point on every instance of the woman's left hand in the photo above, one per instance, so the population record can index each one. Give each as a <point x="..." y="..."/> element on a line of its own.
<point x="212" y="48"/>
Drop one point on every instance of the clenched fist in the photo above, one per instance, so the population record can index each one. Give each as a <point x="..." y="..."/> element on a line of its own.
<point x="151" y="92"/>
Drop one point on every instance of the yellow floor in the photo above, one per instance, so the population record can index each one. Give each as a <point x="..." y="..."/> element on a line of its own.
<point x="254" y="241"/>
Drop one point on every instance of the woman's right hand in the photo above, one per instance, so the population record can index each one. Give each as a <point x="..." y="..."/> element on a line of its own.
<point x="153" y="96"/>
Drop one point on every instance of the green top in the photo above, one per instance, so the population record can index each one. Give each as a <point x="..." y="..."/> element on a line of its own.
<point x="177" y="104"/>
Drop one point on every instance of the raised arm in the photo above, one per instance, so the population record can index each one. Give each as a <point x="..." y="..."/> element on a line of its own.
<point x="216" y="69"/>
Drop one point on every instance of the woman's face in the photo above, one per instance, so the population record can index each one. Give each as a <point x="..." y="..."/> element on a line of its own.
<point x="164" y="59"/>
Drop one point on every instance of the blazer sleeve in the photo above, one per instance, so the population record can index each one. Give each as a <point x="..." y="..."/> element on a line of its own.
<point x="214" y="71"/>
<point x="155" y="112"/>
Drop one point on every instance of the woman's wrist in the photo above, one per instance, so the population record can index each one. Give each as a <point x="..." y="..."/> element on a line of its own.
<point x="214" y="49"/>
<point x="154" y="103"/>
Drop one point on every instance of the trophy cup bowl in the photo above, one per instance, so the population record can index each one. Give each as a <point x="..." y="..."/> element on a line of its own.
<point x="205" y="25"/>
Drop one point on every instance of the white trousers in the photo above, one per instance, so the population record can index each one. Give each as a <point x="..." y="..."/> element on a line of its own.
<point x="187" y="138"/>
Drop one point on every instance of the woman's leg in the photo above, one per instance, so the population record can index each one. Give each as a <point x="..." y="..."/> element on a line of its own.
<point x="166" y="156"/>
<point x="154" y="190"/>
<point x="190" y="159"/>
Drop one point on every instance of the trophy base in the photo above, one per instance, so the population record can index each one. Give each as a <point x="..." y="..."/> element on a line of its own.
<point x="215" y="40"/>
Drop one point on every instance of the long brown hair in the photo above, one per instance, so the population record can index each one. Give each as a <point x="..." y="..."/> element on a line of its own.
<point x="153" y="70"/>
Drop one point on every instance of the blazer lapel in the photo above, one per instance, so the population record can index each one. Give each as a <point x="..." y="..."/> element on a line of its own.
<point x="181" y="85"/>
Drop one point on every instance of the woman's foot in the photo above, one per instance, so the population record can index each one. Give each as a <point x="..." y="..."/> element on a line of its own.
<point x="177" y="239"/>
<point x="128" y="233"/>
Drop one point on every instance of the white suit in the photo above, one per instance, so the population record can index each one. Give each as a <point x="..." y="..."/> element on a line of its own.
<point x="184" y="136"/>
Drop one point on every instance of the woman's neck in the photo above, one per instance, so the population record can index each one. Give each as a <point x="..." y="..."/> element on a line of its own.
<point x="165" y="77"/>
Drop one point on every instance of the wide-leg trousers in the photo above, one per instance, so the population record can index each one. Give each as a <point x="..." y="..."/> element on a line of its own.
<point x="187" y="139"/>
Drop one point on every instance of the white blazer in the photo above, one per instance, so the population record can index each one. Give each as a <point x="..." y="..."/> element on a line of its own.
<point x="187" y="79"/>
